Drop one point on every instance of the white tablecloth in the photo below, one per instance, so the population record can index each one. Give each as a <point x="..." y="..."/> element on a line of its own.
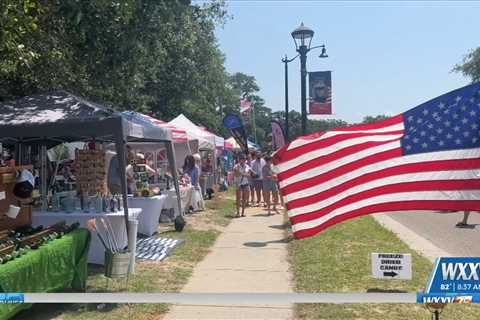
<point x="96" y="253"/>
<point x="186" y="194"/>
<point x="151" y="207"/>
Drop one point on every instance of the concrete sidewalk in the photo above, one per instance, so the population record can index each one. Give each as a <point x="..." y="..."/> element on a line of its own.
<point x="249" y="256"/>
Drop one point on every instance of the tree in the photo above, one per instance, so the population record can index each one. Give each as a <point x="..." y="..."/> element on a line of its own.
<point x="157" y="57"/>
<point x="372" y="119"/>
<point x="313" y="126"/>
<point x="246" y="87"/>
<point x="470" y="66"/>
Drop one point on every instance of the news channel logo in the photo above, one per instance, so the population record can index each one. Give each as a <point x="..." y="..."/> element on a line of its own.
<point x="453" y="280"/>
<point x="11" y="298"/>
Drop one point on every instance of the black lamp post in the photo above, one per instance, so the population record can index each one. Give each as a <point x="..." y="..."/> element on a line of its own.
<point x="286" y="61"/>
<point x="302" y="36"/>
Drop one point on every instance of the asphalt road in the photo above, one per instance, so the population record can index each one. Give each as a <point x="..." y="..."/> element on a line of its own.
<point x="439" y="228"/>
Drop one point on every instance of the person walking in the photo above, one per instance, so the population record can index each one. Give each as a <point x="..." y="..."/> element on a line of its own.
<point x="270" y="191"/>
<point x="241" y="173"/>
<point x="251" y="199"/>
<point x="464" y="222"/>
<point x="257" y="166"/>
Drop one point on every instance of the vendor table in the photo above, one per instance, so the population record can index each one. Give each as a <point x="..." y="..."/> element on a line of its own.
<point x="58" y="264"/>
<point x="151" y="207"/>
<point x="97" y="251"/>
<point x="186" y="194"/>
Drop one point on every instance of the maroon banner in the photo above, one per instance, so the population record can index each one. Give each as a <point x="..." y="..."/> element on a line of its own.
<point x="320" y="89"/>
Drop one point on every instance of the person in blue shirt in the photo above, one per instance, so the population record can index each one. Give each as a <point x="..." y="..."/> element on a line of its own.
<point x="192" y="171"/>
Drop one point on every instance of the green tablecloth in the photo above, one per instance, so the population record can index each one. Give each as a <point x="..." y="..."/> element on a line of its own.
<point x="58" y="264"/>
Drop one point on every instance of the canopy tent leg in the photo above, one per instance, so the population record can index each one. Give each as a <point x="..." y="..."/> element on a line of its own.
<point x="120" y="145"/>
<point x="171" y="159"/>
<point x="43" y="176"/>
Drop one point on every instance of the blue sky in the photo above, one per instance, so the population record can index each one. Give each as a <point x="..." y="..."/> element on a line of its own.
<point x="386" y="57"/>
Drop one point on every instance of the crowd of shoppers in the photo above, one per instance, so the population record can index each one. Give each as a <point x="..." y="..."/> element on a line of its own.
<point x="255" y="180"/>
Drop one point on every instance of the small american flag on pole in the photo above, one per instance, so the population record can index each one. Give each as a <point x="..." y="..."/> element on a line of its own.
<point x="245" y="106"/>
<point x="427" y="158"/>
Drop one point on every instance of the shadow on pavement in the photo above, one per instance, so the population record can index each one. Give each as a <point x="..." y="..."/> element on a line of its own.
<point x="378" y="290"/>
<point x="255" y="244"/>
<point x="280" y="226"/>
<point x="262" y="215"/>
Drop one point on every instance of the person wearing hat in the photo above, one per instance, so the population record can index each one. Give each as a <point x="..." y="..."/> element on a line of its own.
<point x="320" y="91"/>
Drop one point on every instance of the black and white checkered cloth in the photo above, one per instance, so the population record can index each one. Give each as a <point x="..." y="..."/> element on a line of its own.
<point x="156" y="248"/>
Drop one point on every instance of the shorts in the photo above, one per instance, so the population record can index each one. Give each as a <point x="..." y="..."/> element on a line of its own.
<point x="257" y="184"/>
<point x="244" y="187"/>
<point x="270" y="185"/>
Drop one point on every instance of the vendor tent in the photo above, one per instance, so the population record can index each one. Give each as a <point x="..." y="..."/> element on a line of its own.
<point x="52" y="118"/>
<point x="183" y="143"/>
<point x="178" y="134"/>
<point x="207" y="140"/>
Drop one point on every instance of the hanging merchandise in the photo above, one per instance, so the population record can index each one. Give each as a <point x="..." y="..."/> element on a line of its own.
<point x="92" y="173"/>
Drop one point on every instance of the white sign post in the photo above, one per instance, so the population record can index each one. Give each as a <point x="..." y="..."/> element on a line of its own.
<point x="392" y="266"/>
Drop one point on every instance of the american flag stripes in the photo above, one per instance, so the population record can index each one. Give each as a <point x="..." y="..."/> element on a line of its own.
<point x="178" y="135"/>
<point x="427" y="158"/>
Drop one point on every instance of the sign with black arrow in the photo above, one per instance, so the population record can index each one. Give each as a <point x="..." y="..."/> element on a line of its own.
<point x="392" y="266"/>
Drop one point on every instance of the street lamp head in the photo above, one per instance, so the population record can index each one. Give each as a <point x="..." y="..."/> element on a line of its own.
<point x="324" y="53"/>
<point x="301" y="35"/>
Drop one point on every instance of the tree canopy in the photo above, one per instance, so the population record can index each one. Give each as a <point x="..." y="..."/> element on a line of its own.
<point x="157" y="57"/>
<point x="470" y="66"/>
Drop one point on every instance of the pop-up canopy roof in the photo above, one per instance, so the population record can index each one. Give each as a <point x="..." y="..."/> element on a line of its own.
<point x="207" y="140"/>
<point x="178" y="134"/>
<point x="61" y="116"/>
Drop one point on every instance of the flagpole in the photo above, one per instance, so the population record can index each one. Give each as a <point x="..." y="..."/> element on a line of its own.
<point x="253" y="122"/>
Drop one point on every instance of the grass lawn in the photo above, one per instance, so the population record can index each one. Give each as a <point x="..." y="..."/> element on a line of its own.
<point x="338" y="260"/>
<point x="169" y="275"/>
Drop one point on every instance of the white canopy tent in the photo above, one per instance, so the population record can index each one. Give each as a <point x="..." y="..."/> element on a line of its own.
<point x="206" y="140"/>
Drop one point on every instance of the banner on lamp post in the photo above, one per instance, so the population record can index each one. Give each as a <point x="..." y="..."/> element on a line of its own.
<point x="320" y="92"/>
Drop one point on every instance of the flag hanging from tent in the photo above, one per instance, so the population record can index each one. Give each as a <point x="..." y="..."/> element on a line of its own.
<point x="427" y="158"/>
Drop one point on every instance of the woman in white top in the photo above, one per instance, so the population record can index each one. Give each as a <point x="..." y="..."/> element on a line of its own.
<point x="241" y="173"/>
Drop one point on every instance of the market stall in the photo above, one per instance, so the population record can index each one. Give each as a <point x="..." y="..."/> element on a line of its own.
<point x="45" y="120"/>
<point x="113" y="220"/>
<point x="153" y="174"/>
<point x="184" y="143"/>
<point x="210" y="145"/>
<point x="57" y="265"/>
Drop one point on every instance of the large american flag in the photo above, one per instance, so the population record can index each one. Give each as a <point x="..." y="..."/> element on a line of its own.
<point x="427" y="158"/>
